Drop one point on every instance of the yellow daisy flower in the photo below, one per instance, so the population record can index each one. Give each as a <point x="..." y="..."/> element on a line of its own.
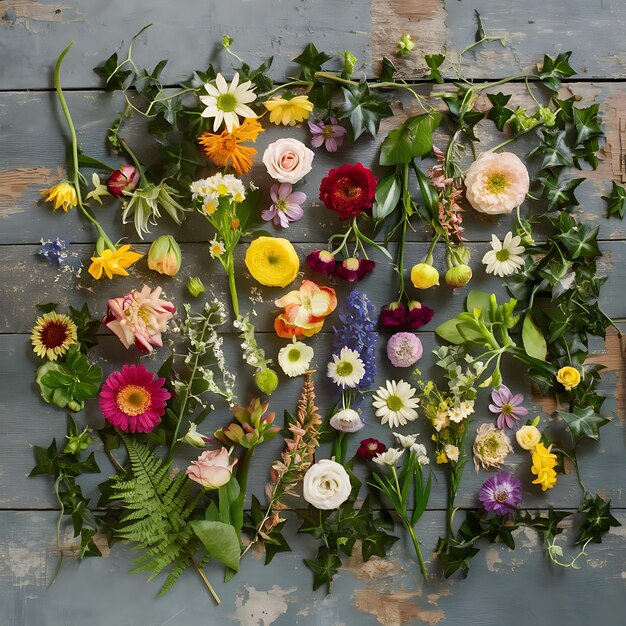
<point x="288" y="112"/>
<point x="63" y="195"/>
<point x="113" y="262"/>
<point x="52" y="335"/>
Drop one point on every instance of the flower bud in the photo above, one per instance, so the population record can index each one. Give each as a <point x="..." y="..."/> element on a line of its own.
<point x="194" y="438"/>
<point x="195" y="286"/>
<point x="458" y="276"/>
<point x="164" y="256"/>
<point x="266" y="380"/>
<point x="77" y="443"/>
<point x="424" y="276"/>
<point x="123" y="180"/>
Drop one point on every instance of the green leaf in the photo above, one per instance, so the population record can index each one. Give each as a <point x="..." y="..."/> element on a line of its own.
<point x="555" y="69"/>
<point x="616" y="201"/>
<point x="480" y="30"/>
<point x="555" y="149"/>
<point x="499" y="113"/>
<point x="533" y="339"/>
<point x="479" y="300"/>
<point x="387" y="71"/>
<point x="247" y="211"/>
<point x="311" y="61"/>
<point x="598" y="519"/>
<point x="114" y="78"/>
<point x="584" y="422"/>
<point x="388" y="193"/>
<point x="220" y="541"/>
<point x="363" y="109"/>
<point x="46" y="460"/>
<point x="559" y="192"/>
<point x="449" y="331"/>
<point x="414" y="138"/>
<point x="587" y="123"/>
<point x="430" y="197"/>
<point x="581" y="241"/>
<point x="434" y="62"/>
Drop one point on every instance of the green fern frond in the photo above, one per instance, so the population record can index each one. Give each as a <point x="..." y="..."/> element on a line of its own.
<point x="158" y="509"/>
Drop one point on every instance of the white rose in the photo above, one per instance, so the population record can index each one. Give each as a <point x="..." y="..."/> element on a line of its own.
<point x="288" y="160"/>
<point x="496" y="182"/>
<point x="326" y="485"/>
<point x="347" y="421"/>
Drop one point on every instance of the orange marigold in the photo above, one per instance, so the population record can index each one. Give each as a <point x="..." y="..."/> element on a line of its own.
<point x="225" y="148"/>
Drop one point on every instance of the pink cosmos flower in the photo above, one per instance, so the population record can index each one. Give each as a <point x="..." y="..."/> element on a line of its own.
<point x="140" y="317"/>
<point x="330" y="134"/>
<point x="286" y="205"/>
<point x="507" y="406"/>
<point x="133" y="399"/>
<point x="213" y="469"/>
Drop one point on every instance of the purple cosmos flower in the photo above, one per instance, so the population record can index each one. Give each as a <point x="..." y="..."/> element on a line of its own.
<point x="508" y="406"/>
<point x="330" y="134"/>
<point x="286" y="205"/>
<point x="501" y="493"/>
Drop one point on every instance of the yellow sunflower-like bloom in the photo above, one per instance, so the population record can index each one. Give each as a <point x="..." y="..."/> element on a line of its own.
<point x="225" y="148"/>
<point x="63" y="195"/>
<point x="569" y="377"/>
<point x="113" y="262"/>
<point x="288" y="112"/>
<point x="52" y="335"/>
<point x="544" y="462"/>
<point x="272" y="261"/>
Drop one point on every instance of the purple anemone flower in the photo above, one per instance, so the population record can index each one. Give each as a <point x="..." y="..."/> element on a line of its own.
<point x="286" y="205"/>
<point x="507" y="406"/>
<point x="330" y="134"/>
<point x="501" y="494"/>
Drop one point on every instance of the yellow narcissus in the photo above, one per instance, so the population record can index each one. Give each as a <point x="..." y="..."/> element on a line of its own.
<point x="272" y="261"/>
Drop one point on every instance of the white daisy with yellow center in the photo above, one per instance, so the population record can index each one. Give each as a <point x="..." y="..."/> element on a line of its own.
<point x="226" y="103"/>
<point x="295" y="358"/>
<point x="504" y="257"/>
<point x="395" y="403"/>
<point x="216" y="248"/>
<point x="346" y="369"/>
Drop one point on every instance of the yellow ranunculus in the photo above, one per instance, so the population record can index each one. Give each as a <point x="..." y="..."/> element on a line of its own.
<point x="424" y="276"/>
<point x="528" y="437"/>
<point x="289" y="112"/>
<point x="569" y="377"/>
<point x="272" y="261"/>
<point x="544" y="462"/>
<point x="63" y="195"/>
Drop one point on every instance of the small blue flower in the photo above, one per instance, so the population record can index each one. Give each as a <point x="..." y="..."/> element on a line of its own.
<point x="54" y="252"/>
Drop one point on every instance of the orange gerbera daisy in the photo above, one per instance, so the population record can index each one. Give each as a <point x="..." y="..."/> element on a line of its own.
<point x="225" y="148"/>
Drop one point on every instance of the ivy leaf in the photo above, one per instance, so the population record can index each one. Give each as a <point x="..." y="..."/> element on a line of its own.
<point x="364" y="109"/>
<point x="616" y="201"/>
<point x="480" y="31"/>
<point x="499" y="113"/>
<point x="584" y="422"/>
<point x="555" y="69"/>
<point x="311" y="61"/>
<point x="581" y="241"/>
<point x="559" y="193"/>
<point x="455" y="558"/>
<point x="587" y="123"/>
<point x="387" y="71"/>
<point x="258" y="76"/>
<point x="555" y="150"/>
<point x="114" y="78"/>
<point x="88" y="546"/>
<point x="324" y="568"/>
<point x="434" y="62"/>
<point x="598" y="519"/>
<point x="46" y="460"/>
<point x="87" y="327"/>
<point x="414" y="138"/>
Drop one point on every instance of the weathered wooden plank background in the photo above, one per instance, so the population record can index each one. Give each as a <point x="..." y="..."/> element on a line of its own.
<point x="504" y="587"/>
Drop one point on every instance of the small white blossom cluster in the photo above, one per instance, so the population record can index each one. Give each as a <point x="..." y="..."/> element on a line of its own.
<point x="253" y="355"/>
<point x="211" y="189"/>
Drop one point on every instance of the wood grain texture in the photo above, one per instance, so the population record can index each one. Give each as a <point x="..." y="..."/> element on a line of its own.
<point x="502" y="588"/>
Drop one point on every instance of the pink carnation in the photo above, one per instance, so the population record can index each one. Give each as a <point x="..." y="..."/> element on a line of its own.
<point x="140" y="317"/>
<point x="496" y="182"/>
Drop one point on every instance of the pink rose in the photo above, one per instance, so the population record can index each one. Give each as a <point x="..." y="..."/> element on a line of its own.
<point x="496" y="182"/>
<point x="288" y="160"/>
<point x="212" y="469"/>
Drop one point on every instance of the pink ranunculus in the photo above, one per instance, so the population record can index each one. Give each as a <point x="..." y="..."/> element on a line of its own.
<point x="496" y="182"/>
<point x="288" y="160"/>
<point x="140" y="317"/>
<point x="212" y="469"/>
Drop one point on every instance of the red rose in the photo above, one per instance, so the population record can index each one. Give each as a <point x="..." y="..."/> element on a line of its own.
<point x="349" y="190"/>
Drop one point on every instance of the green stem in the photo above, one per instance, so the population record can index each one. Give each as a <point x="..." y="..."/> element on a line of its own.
<point x="205" y="580"/>
<point x="142" y="177"/>
<point x="416" y="545"/>
<point x="232" y="286"/>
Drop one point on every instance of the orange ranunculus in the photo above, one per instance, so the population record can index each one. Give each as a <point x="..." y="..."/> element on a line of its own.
<point x="225" y="148"/>
<point x="304" y="310"/>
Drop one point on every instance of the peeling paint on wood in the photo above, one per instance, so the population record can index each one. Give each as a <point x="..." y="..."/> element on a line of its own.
<point x="261" y="608"/>
<point x="14" y="183"/>
<point x="24" y="11"/>
<point x="395" y="609"/>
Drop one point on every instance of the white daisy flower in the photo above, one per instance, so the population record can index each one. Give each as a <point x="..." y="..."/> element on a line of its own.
<point x="347" y="369"/>
<point x="389" y="457"/>
<point x="467" y="407"/>
<point x="406" y="441"/>
<point x="216" y="248"/>
<point x="295" y="358"/>
<point x="452" y="452"/>
<point x="504" y="258"/>
<point x="456" y="414"/>
<point x="395" y="403"/>
<point x="227" y="102"/>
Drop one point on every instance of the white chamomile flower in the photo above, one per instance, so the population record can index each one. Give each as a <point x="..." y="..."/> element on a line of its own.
<point x="227" y="102"/>
<point x="504" y="258"/>
<point x="347" y="369"/>
<point x="456" y="414"/>
<point x="216" y="248"/>
<point x="395" y="403"/>
<point x="406" y="441"/>
<point x="452" y="452"/>
<point x="467" y="406"/>
<point x="98" y="190"/>
<point x="389" y="457"/>
<point x="295" y="358"/>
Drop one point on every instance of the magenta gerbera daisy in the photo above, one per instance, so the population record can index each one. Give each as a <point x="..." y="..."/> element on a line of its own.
<point x="133" y="399"/>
